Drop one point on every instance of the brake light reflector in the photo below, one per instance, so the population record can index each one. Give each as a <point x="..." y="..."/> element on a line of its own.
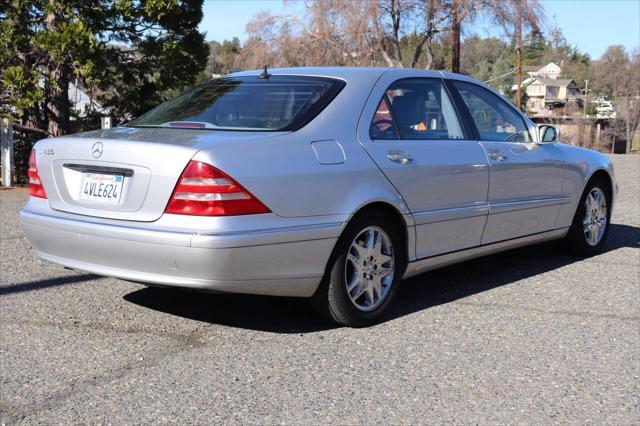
<point x="203" y="190"/>
<point x="35" y="184"/>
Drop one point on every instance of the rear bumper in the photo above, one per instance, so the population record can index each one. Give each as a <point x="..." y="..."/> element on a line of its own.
<point x="284" y="261"/>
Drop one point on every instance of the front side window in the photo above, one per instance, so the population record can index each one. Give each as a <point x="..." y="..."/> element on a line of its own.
<point x="246" y="103"/>
<point x="494" y="118"/>
<point x="418" y="109"/>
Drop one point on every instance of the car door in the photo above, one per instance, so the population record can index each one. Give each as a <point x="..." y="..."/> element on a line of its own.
<point x="525" y="178"/>
<point x="412" y="131"/>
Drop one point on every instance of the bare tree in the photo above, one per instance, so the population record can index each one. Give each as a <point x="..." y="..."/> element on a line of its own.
<point x="513" y="16"/>
<point x="507" y="13"/>
<point x="273" y="41"/>
<point x="340" y="31"/>
<point x="618" y="76"/>
<point x="612" y="73"/>
<point x="436" y="22"/>
<point x="347" y="32"/>
<point x="329" y="32"/>
<point x="394" y="20"/>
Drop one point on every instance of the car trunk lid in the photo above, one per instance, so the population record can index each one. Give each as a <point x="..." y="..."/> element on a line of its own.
<point x="141" y="166"/>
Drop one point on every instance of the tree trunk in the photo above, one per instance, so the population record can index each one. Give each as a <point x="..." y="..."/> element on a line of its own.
<point x="455" y="39"/>
<point x="629" y="133"/>
<point x="388" y="51"/>
<point x="429" y="55"/>
<point x="58" y="105"/>
<point x="519" y="52"/>
<point x="389" y="60"/>
<point x="396" y="16"/>
<point x="418" y="51"/>
<point x="430" y="34"/>
<point x="57" y="100"/>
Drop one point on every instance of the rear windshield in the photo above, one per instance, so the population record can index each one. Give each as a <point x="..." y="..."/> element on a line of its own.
<point x="246" y="104"/>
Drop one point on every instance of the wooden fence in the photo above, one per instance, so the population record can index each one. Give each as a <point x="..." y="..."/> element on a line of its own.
<point x="598" y="134"/>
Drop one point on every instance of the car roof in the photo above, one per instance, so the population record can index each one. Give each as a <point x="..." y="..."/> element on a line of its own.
<point x="371" y="73"/>
<point x="349" y="73"/>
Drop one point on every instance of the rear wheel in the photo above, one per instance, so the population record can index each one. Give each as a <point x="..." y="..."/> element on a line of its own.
<point x="590" y="225"/>
<point x="363" y="272"/>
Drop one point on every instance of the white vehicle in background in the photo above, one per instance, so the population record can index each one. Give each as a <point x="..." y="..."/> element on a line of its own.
<point x="604" y="108"/>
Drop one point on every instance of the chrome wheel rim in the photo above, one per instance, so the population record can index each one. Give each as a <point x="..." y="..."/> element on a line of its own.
<point x="594" y="222"/>
<point x="369" y="268"/>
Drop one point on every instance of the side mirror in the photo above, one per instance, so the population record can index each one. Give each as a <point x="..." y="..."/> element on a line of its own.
<point x="547" y="133"/>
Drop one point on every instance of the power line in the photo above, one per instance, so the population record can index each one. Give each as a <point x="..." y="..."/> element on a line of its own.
<point x="511" y="71"/>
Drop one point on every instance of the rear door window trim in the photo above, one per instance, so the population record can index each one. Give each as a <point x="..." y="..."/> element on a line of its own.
<point x="467" y="130"/>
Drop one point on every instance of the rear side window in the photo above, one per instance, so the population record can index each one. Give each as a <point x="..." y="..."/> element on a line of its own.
<point x="493" y="117"/>
<point x="383" y="126"/>
<point x="246" y="104"/>
<point x="418" y="109"/>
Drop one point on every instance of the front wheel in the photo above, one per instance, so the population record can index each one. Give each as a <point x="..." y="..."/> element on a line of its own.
<point x="363" y="272"/>
<point x="590" y="225"/>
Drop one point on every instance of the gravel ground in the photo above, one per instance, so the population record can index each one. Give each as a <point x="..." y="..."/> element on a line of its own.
<point x="529" y="336"/>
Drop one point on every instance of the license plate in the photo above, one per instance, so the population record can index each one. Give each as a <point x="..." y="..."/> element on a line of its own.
<point x="101" y="187"/>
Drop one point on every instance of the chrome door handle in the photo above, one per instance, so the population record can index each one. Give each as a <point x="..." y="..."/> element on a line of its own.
<point x="497" y="156"/>
<point x="400" y="157"/>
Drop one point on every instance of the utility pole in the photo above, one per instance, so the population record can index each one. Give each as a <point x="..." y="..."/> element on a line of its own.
<point x="586" y="95"/>
<point x="519" y="66"/>
<point x="455" y="36"/>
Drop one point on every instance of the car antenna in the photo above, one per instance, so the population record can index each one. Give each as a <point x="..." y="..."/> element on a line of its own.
<point x="264" y="74"/>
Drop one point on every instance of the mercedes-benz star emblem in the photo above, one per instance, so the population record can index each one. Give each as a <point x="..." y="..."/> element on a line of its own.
<point x="96" y="150"/>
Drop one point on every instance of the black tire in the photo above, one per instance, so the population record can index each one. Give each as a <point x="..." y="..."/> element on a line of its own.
<point x="331" y="300"/>
<point x="576" y="240"/>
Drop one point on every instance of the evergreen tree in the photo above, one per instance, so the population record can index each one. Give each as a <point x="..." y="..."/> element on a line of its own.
<point x="134" y="51"/>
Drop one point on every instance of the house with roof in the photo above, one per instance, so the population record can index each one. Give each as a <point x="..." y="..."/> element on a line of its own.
<point x="531" y="72"/>
<point x="83" y="100"/>
<point x="547" y="95"/>
<point x="551" y="70"/>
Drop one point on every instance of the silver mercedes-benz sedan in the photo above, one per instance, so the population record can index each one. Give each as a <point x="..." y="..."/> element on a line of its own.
<point x="326" y="183"/>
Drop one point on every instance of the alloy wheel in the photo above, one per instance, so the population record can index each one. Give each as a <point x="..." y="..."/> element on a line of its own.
<point x="369" y="268"/>
<point x="594" y="222"/>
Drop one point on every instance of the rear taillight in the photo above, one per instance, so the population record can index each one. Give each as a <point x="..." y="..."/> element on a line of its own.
<point x="203" y="190"/>
<point x="35" y="184"/>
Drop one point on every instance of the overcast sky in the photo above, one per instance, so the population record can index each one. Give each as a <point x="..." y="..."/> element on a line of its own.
<point x="591" y="25"/>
